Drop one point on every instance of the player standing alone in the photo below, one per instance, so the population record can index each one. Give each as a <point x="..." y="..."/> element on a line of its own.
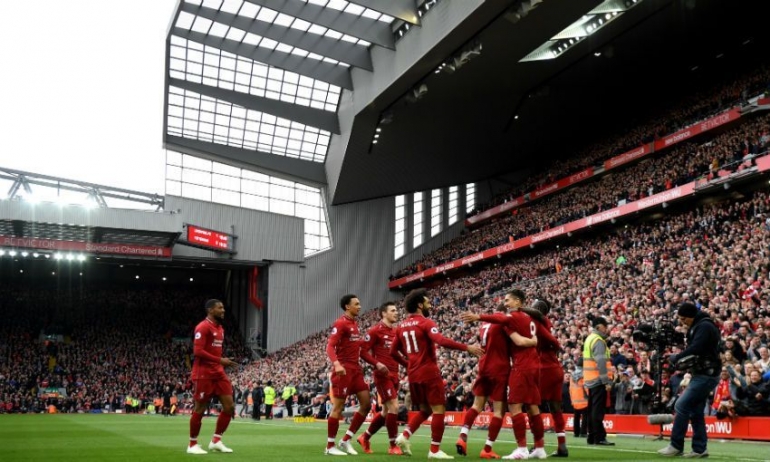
<point x="416" y="338"/>
<point x="209" y="378"/>
<point x="344" y="351"/>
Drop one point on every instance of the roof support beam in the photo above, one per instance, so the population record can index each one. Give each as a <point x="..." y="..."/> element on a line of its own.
<point x="405" y="10"/>
<point x="319" y="70"/>
<point x="304" y="171"/>
<point x="318" y="118"/>
<point x="346" y="52"/>
<point x="371" y="30"/>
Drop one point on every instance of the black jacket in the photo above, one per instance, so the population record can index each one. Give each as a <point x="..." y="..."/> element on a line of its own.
<point x="703" y="340"/>
<point x="258" y="394"/>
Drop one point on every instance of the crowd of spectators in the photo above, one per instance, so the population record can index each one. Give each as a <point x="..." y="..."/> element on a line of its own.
<point x="728" y="91"/>
<point x="679" y="166"/>
<point x="715" y="256"/>
<point x="97" y="348"/>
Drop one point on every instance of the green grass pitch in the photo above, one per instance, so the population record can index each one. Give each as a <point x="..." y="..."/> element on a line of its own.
<point x="89" y="437"/>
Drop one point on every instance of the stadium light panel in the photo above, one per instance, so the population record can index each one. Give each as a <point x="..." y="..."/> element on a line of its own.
<point x="588" y="24"/>
<point x="12" y="253"/>
<point x="25" y="254"/>
<point x="2" y="252"/>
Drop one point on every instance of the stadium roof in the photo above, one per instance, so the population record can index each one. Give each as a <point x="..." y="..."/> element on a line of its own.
<point x="380" y="97"/>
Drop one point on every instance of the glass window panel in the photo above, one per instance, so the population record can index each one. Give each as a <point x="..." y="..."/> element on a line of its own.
<point x="308" y="197"/>
<point x="259" y="188"/>
<point x="196" y="163"/>
<point x="306" y="211"/>
<point x="312" y="227"/>
<point x="399" y="251"/>
<point x="226" y="197"/>
<point x="226" y="169"/>
<point x="325" y="243"/>
<point x="196" y="192"/>
<point x="173" y="173"/>
<point x="225" y="182"/>
<point x="255" y="202"/>
<point x="470" y="197"/>
<point x="252" y="175"/>
<point x="435" y="215"/>
<point x="280" y="206"/>
<point x="173" y="188"/>
<point x="312" y="243"/>
<point x="281" y="192"/>
<point x="453" y="197"/>
<point x="196" y="177"/>
<point x="173" y="158"/>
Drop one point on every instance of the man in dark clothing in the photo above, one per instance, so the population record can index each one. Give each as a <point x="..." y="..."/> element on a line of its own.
<point x="703" y="344"/>
<point x="258" y="397"/>
<point x="166" y="401"/>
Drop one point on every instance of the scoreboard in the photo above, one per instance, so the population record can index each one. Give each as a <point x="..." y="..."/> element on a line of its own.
<point x="209" y="239"/>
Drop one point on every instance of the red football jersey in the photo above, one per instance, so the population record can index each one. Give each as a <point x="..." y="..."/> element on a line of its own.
<point x="344" y="343"/>
<point x="207" y="349"/>
<point x="417" y="337"/>
<point x="497" y="357"/>
<point x="547" y="345"/>
<point x="523" y="357"/>
<point x="378" y="340"/>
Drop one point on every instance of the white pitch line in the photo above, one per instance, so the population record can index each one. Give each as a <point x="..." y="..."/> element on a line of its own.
<point x="483" y="439"/>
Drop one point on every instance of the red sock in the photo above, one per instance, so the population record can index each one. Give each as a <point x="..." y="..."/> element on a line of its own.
<point x="223" y="421"/>
<point x="196" y="420"/>
<point x="358" y="420"/>
<point x="391" y="422"/>
<point x="470" y="417"/>
<point x="520" y="429"/>
<point x="494" y="429"/>
<point x="436" y="432"/>
<point x="415" y="422"/>
<point x="536" y="425"/>
<point x="558" y="427"/>
<point x="332" y="426"/>
<point x="375" y="425"/>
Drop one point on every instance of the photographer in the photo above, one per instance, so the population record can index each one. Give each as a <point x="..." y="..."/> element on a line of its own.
<point x="703" y="345"/>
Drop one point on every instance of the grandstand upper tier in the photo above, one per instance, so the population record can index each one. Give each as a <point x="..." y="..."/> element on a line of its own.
<point x="736" y="152"/>
<point x="344" y="96"/>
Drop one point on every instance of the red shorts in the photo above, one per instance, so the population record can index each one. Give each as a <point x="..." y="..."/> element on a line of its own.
<point x="205" y="389"/>
<point x="387" y="387"/>
<point x="551" y="380"/>
<point x="524" y="387"/>
<point x="349" y="384"/>
<point x="491" y="387"/>
<point x="430" y="393"/>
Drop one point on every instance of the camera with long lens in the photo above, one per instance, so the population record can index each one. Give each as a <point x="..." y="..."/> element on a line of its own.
<point x="660" y="335"/>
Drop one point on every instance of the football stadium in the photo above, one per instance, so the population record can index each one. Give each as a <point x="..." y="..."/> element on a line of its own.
<point x="469" y="229"/>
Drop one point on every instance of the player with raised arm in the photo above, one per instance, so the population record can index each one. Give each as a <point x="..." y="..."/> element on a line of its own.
<point x="416" y="338"/>
<point x="209" y="378"/>
<point x="490" y="384"/>
<point x="551" y="370"/>
<point x="344" y="351"/>
<point x="524" y="380"/>
<point x="376" y="351"/>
